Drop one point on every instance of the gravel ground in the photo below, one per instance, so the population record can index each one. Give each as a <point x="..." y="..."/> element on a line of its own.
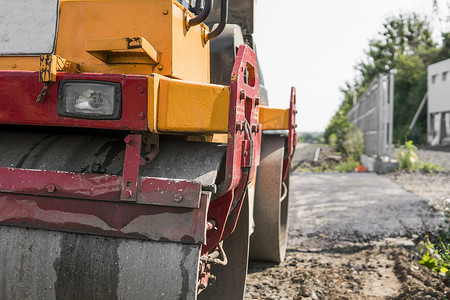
<point x="434" y="188"/>
<point x="321" y="265"/>
<point x="438" y="157"/>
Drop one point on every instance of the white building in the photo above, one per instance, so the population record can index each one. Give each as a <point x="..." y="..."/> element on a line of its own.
<point x="439" y="103"/>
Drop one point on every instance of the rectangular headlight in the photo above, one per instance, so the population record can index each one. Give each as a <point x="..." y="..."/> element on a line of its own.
<point x="98" y="100"/>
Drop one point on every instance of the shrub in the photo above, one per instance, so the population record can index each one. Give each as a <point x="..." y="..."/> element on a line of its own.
<point x="354" y="145"/>
<point x="436" y="259"/>
<point x="407" y="158"/>
<point x="430" y="167"/>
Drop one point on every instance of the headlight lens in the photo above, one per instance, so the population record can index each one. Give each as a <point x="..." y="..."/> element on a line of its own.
<point x="89" y="100"/>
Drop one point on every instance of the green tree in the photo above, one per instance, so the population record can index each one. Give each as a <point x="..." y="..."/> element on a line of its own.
<point x="405" y="48"/>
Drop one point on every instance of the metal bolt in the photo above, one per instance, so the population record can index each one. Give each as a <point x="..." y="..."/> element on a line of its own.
<point x="254" y="128"/>
<point x="242" y="95"/>
<point x="128" y="193"/>
<point x="257" y="101"/>
<point x="211" y="224"/>
<point x="211" y="279"/>
<point x="210" y="188"/>
<point x="14" y="66"/>
<point x="295" y="111"/>
<point x="127" y="140"/>
<point x="141" y="90"/>
<point x="165" y="12"/>
<point x="51" y="188"/>
<point x="160" y="67"/>
<point x="141" y="116"/>
<point x="178" y="198"/>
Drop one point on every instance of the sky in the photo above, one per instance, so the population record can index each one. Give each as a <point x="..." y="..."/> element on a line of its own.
<point x="315" y="44"/>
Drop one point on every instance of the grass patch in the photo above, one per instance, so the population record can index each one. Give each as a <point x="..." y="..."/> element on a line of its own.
<point x="408" y="160"/>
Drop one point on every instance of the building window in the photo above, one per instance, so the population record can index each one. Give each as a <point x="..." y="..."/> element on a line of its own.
<point x="444" y="76"/>
<point x="433" y="78"/>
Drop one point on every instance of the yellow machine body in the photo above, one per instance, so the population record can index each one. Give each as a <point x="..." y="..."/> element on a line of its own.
<point x="153" y="41"/>
<point x="87" y="23"/>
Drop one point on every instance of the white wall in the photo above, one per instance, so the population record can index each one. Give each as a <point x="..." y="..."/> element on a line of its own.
<point x="439" y="87"/>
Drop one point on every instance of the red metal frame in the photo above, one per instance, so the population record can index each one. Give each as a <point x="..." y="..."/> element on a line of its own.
<point x="129" y="205"/>
<point x="243" y="147"/>
<point x="153" y="208"/>
<point x="19" y="91"/>
<point x="119" y="219"/>
<point x="292" y="136"/>
<point x="100" y="187"/>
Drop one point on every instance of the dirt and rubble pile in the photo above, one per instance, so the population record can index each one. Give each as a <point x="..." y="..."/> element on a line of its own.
<point x="324" y="159"/>
<point x="353" y="272"/>
<point x="323" y="267"/>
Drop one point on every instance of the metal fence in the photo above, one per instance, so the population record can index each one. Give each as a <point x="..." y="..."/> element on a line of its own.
<point x="373" y="114"/>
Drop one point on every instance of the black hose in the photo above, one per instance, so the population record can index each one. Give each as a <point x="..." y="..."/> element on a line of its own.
<point x="202" y="16"/>
<point x="223" y="21"/>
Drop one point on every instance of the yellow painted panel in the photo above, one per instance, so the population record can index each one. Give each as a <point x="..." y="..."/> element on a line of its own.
<point x="182" y="54"/>
<point x="191" y="107"/>
<point x="124" y="50"/>
<point x="82" y="21"/>
<point x="19" y="63"/>
<point x="153" y="91"/>
<point x="273" y="118"/>
<point x="189" y="48"/>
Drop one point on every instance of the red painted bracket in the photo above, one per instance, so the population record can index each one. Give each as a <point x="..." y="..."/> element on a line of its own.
<point x="131" y="165"/>
<point x="243" y="145"/>
<point x="292" y="136"/>
<point x="101" y="187"/>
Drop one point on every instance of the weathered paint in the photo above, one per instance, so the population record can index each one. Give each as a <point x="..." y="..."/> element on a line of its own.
<point x="244" y="139"/>
<point x="50" y="64"/>
<point x="103" y="187"/>
<point x="19" y="90"/>
<point x="132" y="161"/>
<point x="292" y="136"/>
<point x="129" y="220"/>
<point x="40" y="264"/>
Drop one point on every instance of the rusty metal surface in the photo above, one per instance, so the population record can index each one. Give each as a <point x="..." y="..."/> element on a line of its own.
<point x="19" y="90"/>
<point x="177" y="193"/>
<point x="292" y="135"/>
<point x="243" y="146"/>
<point x="40" y="264"/>
<point x="50" y="64"/>
<point x="129" y="220"/>
<point x="131" y="164"/>
<point x="152" y="191"/>
<point x="33" y="194"/>
<point x="230" y="279"/>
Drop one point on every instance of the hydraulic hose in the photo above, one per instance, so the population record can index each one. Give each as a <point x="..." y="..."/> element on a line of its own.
<point x="223" y="21"/>
<point x="202" y="16"/>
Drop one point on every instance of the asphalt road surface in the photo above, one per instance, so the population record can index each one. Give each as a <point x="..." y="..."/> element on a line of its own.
<point x="356" y="207"/>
